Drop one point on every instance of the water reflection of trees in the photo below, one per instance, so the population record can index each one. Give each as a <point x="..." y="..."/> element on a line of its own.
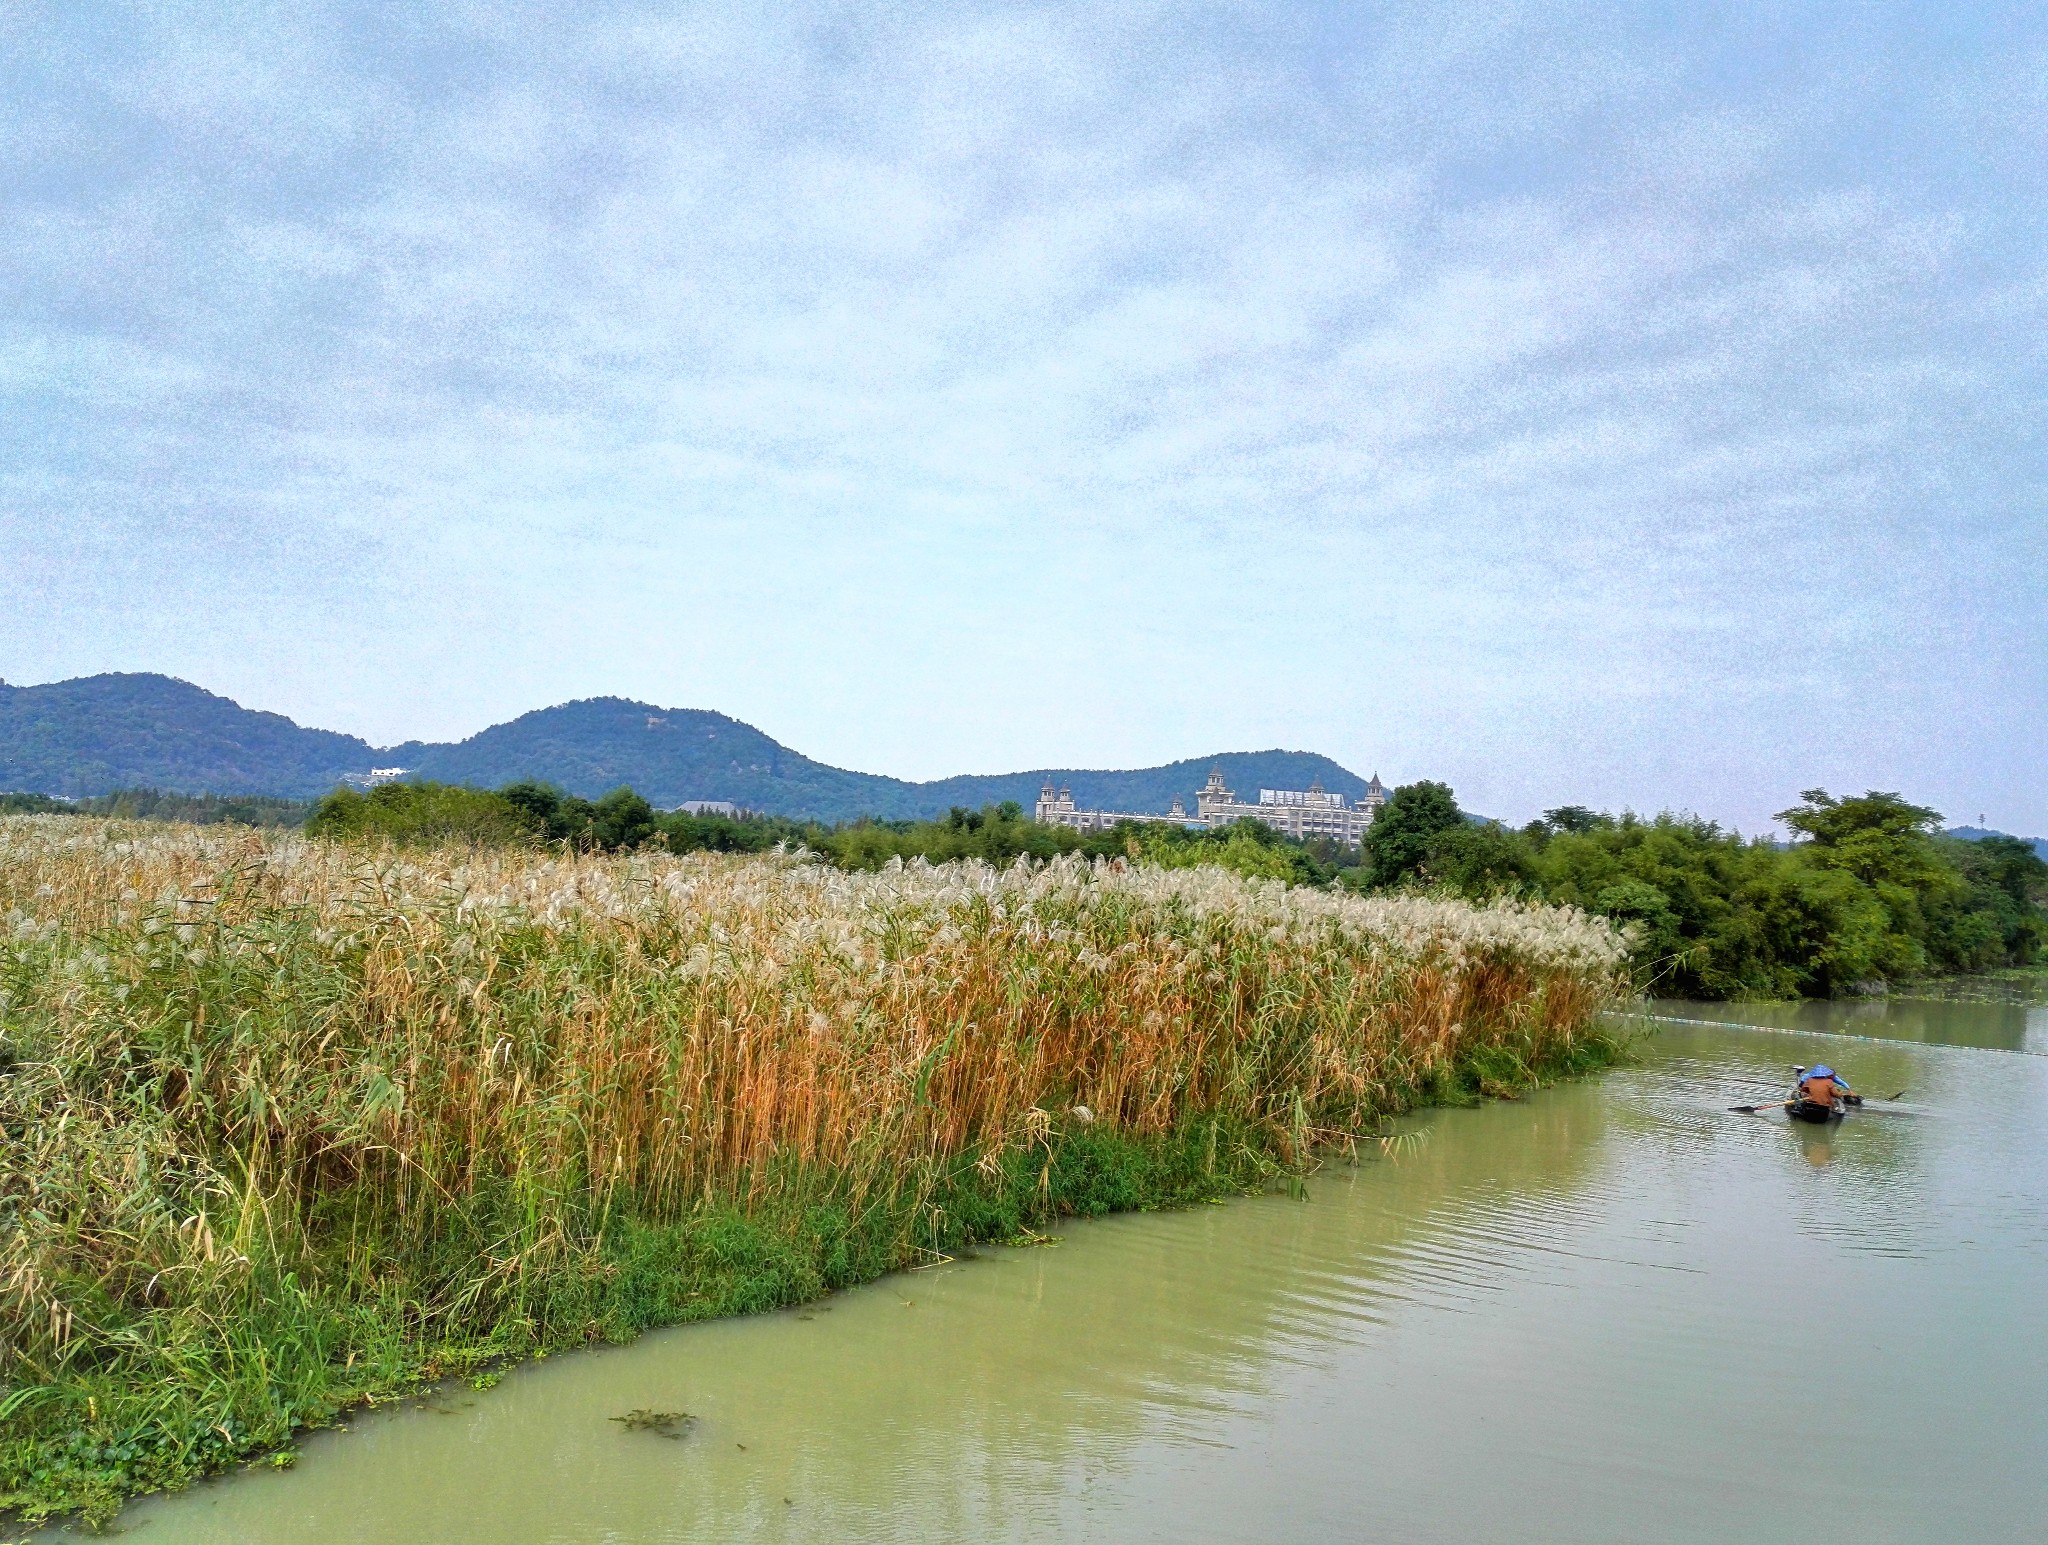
<point x="1989" y="1023"/>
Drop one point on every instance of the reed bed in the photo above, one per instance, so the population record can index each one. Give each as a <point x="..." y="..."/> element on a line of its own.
<point x="285" y="1125"/>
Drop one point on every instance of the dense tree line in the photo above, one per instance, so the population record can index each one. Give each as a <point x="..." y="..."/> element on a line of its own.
<point x="622" y="820"/>
<point x="156" y="805"/>
<point x="1869" y="892"/>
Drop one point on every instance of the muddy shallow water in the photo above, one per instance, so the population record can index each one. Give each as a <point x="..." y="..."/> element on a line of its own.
<point x="1609" y="1312"/>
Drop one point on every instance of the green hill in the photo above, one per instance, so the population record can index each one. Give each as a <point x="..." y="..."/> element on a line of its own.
<point x="96" y="734"/>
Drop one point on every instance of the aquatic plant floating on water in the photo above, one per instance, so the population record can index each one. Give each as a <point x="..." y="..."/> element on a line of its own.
<point x="663" y="1424"/>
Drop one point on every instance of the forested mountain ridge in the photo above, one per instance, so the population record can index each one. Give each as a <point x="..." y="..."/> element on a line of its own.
<point x="97" y="734"/>
<point x="667" y="754"/>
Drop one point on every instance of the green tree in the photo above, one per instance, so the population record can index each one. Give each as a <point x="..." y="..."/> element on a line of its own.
<point x="541" y="806"/>
<point x="1674" y="880"/>
<point x="1997" y="918"/>
<point x="1878" y="838"/>
<point x="35" y="804"/>
<point x="1399" y="842"/>
<point x="1480" y="860"/>
<point x="420" y="813"/>
<point x="1888" y="848"/>
<point x="620" y="821"/>
<point x="682" y="832"/>
<point x="1576" y="819"/>
<point x="1661" y="950"/>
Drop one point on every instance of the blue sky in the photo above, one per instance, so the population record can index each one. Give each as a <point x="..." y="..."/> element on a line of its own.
<point x="1575" y="402"/>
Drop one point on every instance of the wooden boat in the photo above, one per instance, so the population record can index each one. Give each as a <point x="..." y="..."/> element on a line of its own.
<point x="1814" y="1111"/>
<point x="1798" y="1109"/>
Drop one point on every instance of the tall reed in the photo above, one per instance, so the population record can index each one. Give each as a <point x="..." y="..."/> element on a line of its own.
<point x="284" y="1124"/>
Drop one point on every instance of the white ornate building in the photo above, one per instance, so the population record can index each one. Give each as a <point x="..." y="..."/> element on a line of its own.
<point x="1295" y="813"/>
<point x="1298" y="813"/>
<point x="1058" y="810"/>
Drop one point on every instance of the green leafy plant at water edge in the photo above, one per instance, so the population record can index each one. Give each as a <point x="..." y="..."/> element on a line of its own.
<point x="289" y="1125"/>
<point x="1870" y="894"/>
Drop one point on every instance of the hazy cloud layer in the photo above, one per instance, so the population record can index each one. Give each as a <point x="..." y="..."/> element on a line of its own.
<point x="1576" y="402"/>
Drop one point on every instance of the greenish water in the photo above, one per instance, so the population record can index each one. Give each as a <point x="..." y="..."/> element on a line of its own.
<point x="1609" y="1312"/>
<point x="1997" y="1021"/>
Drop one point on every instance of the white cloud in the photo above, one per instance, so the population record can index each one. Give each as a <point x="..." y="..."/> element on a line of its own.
<point x="1602" y="422"/>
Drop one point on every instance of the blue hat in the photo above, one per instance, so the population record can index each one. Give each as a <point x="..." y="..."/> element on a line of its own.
<point x="1823" y="1071"/>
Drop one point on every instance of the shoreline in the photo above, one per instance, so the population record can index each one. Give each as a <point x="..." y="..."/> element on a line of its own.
<point x="724" y="1264"/>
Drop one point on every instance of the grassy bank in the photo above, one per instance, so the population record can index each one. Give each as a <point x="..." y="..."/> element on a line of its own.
<point x="286" y="1125"/>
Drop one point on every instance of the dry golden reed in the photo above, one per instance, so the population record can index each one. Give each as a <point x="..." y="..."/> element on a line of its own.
<point x="223" y="1046"/>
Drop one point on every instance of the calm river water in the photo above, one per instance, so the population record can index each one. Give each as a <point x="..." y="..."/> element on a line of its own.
<point x="1609" y="1312"/>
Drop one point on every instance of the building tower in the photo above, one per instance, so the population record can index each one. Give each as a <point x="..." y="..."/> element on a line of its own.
<point x="1375" y="795"/>
<point x="1214" y="796"/>
<point x="1051" y="805"/>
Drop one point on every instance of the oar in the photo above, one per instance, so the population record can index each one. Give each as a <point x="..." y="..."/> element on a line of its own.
<point x="1751" y="1110"/>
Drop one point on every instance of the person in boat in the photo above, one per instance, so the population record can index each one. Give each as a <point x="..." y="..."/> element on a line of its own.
<point x="1822" y="1093"/>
